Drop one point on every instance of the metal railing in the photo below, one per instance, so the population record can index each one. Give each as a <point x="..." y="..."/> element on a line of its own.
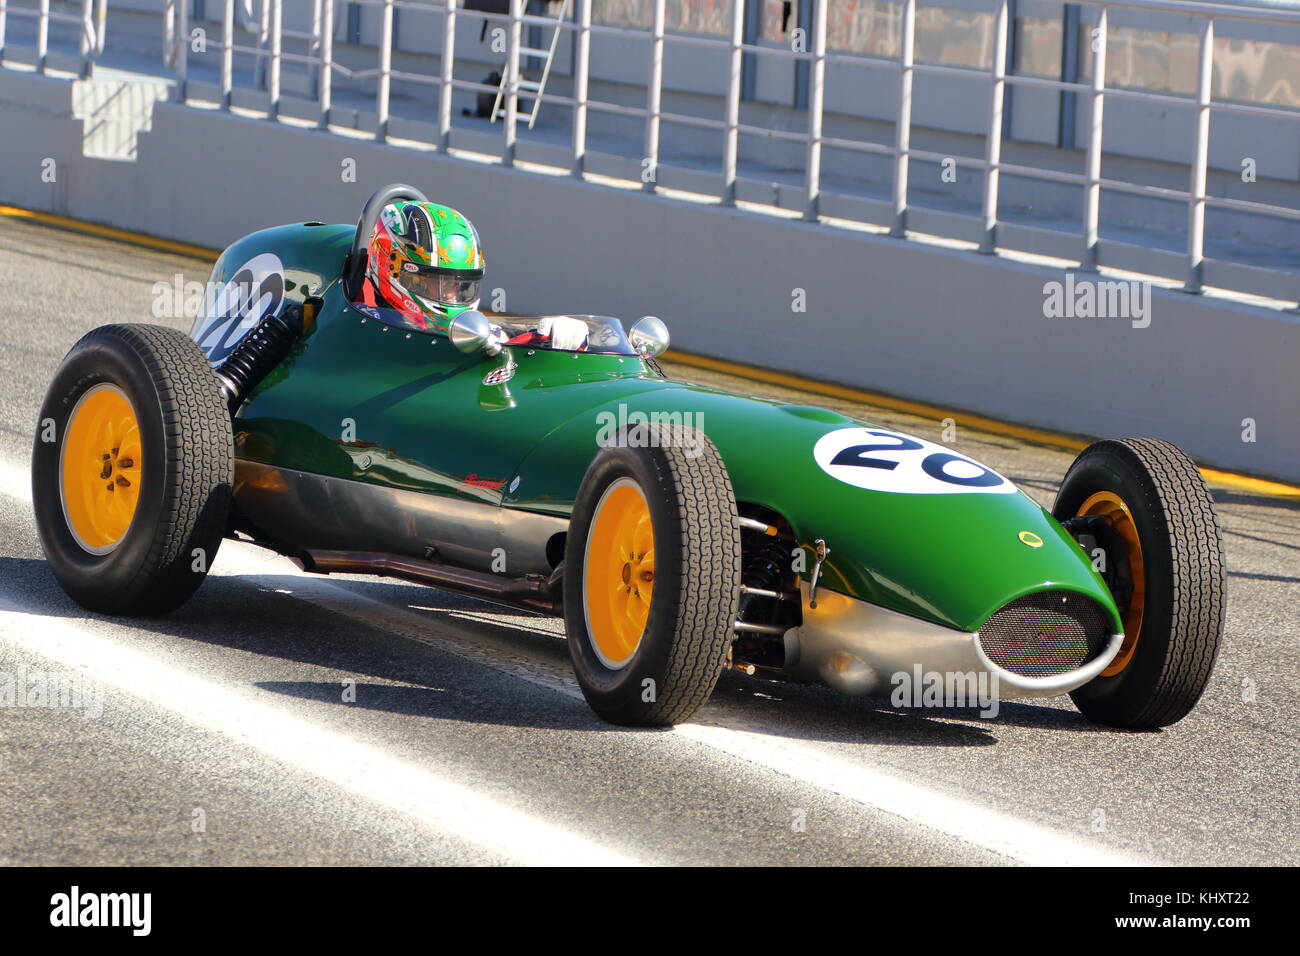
<point x="91" y="20"/>
<point x="319" y="56"/>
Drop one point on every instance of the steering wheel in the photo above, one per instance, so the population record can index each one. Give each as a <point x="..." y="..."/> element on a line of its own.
<point x="356" y="265"/>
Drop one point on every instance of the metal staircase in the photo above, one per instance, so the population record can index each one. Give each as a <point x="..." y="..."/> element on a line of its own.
<point x="534" y="87"/>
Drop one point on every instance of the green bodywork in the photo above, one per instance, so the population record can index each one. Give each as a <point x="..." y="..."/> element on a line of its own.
<point x="362" y="400"/>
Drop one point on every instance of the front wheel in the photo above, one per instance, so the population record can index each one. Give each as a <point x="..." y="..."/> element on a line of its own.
<point x="1143" y="504"/>
<point x="132" y="470"/>
<point x="652" y="580"/>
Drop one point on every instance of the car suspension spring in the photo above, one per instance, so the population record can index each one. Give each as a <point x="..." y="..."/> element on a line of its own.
<point x="765" y="567"/>
<point x="261" y="350"/>
<point x="764" y="613"/>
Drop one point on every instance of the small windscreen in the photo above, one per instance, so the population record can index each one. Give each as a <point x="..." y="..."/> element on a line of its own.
<point x="447" y="288"/>
<point x="604" y="332"/>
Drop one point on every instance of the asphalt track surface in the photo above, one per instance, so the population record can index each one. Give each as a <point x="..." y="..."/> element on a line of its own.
<point x="225" y="738"/>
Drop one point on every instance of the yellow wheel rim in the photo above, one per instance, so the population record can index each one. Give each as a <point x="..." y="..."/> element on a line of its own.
<point x="1111" y="506"/>
<point x="100" y="469"/>
<point x="618" y="570"/>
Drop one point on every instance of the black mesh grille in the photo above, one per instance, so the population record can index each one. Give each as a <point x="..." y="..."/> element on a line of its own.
<point x="1045" y="634"/>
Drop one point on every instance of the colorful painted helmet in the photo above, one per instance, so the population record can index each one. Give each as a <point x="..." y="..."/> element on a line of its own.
<point x="426" y="262"/>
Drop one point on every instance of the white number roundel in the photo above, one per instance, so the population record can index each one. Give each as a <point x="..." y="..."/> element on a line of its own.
<point x="881" y="460"/>
<point x="254" y="291"/>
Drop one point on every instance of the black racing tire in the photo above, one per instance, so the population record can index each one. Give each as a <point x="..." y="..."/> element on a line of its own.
<point x="182" y="501"/>
<point x="689" y="625"/>
<point x="1185" y="589"/>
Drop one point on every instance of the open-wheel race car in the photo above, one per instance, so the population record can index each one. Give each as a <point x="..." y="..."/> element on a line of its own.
<point x="546" y="463"/>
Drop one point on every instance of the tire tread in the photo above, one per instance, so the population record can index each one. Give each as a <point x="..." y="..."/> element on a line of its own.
<point x="710" y="543"/>
<point x="1175" y="495"/>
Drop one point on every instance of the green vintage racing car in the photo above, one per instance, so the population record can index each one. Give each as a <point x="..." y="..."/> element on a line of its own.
<point x="679" y="530"/>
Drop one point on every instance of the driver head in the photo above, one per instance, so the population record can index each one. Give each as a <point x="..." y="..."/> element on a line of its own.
<point x="426" y="262"/>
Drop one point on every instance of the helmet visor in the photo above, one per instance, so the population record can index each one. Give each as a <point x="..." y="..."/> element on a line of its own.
<point x="444" y="286"/>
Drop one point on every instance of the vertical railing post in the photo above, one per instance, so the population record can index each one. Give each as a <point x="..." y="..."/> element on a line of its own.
<point x="447" y="73"/>
<point x="654" y="98"/>
<point x="1200" y="161"/>
<point x="86" y="45"/>
<point x="731" y="141"/>
<point x="263" y="64"/>
<point x="277" y="46"/>
<point x="181" y="52"/>
<point x="4" y="16"/>
<point x="1069" y="100"/>
<point x="993" y="146"/>
<point x="169" y="34"/>
<point x="580" y="70"/>
<point x="101" y="15"/>
<point x="385" y="85"/>
<point x="313" y="49"/>
<point x="262" y="67"/>
<point x="1096" y="123"/>
<point x="42" y="35"/>
<point x="325" y="89"/>
<point x="227" y="54"/>
<point x="512" y="83"/>
<point x="903" y="127"/>
<point x="816" y="103"/>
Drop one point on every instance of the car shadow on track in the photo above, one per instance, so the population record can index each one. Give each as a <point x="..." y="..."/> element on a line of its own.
<point x="772" y="708"/>
<point x="423" y="701"/>
<point x="401" y="676"/>
<point x="776" y="704"/>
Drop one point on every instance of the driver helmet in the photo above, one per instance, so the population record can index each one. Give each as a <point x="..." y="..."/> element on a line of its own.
<point x="425" y="262"/>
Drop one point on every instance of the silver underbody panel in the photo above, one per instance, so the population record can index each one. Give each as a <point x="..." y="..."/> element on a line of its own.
<point x="857" y="648"/>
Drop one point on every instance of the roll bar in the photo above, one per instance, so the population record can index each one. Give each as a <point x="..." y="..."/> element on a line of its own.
<point x="355" y="266"/>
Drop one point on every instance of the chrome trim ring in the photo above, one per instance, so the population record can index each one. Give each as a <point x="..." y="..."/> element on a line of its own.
<point x="1059" y="683"/>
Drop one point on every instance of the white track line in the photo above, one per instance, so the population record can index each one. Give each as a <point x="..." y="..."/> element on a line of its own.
<point x="982" y="827"/>
<point x="979" y="826"/>
<point x="357" y="768"/>
<point x="16" y="483"/>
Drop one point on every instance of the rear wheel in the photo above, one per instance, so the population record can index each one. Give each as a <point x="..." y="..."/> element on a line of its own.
<point x="132" y="470"/>
<point x="652" y="581"/>
<point x="1145" y="505"/>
